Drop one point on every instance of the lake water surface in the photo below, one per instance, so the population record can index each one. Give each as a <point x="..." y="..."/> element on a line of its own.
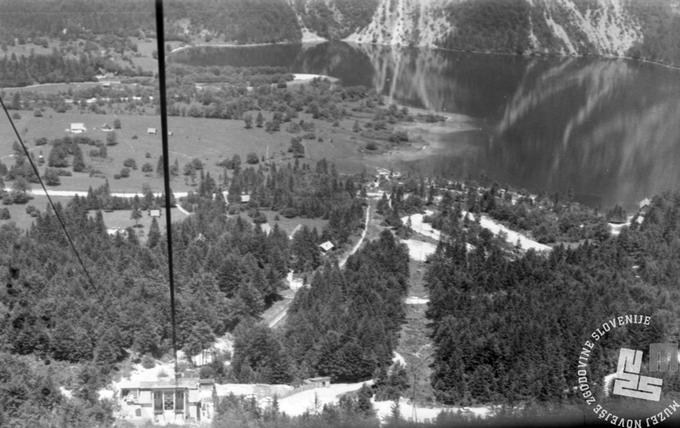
<point x="606" y="130"/>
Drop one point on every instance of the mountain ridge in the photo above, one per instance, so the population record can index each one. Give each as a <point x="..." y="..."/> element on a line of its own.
<point x="610" y="28"/>
<point x="647" y="30"/>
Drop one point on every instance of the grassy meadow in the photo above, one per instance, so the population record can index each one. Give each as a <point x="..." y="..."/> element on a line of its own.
<point x="210" y="140"/>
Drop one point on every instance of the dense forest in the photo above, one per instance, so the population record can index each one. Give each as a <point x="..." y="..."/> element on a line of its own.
<point x="537" y="310"/>
<point x="336" y="19"/>
<point x="55" y="67"/>
<point x="242" y="21"/>
<point x="346" y="324"/>
<point x="339" y="326"/>
<point x="490" y="25"/>
<point x="228" y="272"/>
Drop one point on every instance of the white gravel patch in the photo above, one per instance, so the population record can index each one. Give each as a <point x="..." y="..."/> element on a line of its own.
<point x="419" y="250"/>
<point x="414" y="300"/>
<point x="423" y="414"/>
<point x="299" y="403"/>
<point x="511" y="236"/>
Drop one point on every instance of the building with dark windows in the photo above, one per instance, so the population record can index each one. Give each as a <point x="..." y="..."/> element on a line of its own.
<point x="168" y="401"/>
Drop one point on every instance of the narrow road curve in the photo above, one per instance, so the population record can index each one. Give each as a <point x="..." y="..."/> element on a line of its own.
<point x="280" y="309"/>
<point x="356" y="247"/>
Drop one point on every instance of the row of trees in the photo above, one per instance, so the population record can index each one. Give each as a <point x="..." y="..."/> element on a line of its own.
<point x="55" y="67"/>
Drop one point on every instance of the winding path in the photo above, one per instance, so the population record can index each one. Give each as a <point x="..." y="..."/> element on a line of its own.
<point x="276" y="313"/>
<point x="356" y="247"/>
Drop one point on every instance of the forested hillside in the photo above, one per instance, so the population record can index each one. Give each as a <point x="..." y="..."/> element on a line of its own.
<point x="346" y="324"/>
<point x="227" y="270"/>
<point x="538" y="310"/>
<point x="241" y="21"/>
<point x="639" y="29"/>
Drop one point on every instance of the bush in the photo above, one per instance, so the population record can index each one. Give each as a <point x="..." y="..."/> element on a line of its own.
<point x="148" y="362"/>
<point x="19" y="197"/>
<point x="125" y="172"/>
<point x="147" y="167"/>
<point x="16" y="116"/>
<point x="398" y="136"/>
<point x="252" y="158"/>
<point x="116" y="123"/>
<point x="206" y="372"/>
<point x="51" y="177"/>
<point x="4" y="214"/>
<point x="41" y="141"/>
<point x="32" y="211"/>
<point x="111" y="139"/>
<point x="64" y="173"/>
<point x="259" y="218"/>
<point x="293" y="128"/>
<point x="37" y="113"/>
<point x="296" y="148"/>
<point x="371" y="146"/>
<point x="289" y="212"/>
<point x="130" y="163"/>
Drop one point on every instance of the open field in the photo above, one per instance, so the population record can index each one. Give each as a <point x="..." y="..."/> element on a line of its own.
<point x="52" y="88"/>
<point x="26" y="49"/>
<point x="121" y="220"/>
<point x="289" y="225"/>
<point x="18" y="211"/>
<point x="114" y="220"/>
<point x="210" y="140"/>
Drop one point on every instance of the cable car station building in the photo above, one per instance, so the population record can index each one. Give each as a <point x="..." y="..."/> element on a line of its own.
<point x="168" y="401"/>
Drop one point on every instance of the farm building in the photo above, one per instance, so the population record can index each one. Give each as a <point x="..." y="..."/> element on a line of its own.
<point x="327" y="246"/>
<point x="318" y="382"/>
<point x="77" y="128"/>
<point x="168" y="401"/>
<point x="155" y="213"/>
<point x="152" y="131"/>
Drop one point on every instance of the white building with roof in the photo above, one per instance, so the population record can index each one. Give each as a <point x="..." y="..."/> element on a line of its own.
<point x="77" y="128"/>
<point x="168" y="401"/>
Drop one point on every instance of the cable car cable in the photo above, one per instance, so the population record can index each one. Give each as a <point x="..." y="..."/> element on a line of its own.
<point x="160" y="39"/>
<point x="49" y="198"/>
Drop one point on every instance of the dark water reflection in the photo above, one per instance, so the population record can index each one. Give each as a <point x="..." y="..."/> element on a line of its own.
<point x="608" y="130"/>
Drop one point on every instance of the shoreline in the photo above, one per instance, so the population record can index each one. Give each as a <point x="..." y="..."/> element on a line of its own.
<point x="308" y="77"/>
<point x="302" y="42"/>
<point x="661" y="64"/>
<point x="315" y="41"/>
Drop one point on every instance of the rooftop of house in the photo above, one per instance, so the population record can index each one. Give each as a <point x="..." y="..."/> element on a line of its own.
<point x="192" y="383"/>
<point x="318" y="379"/>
